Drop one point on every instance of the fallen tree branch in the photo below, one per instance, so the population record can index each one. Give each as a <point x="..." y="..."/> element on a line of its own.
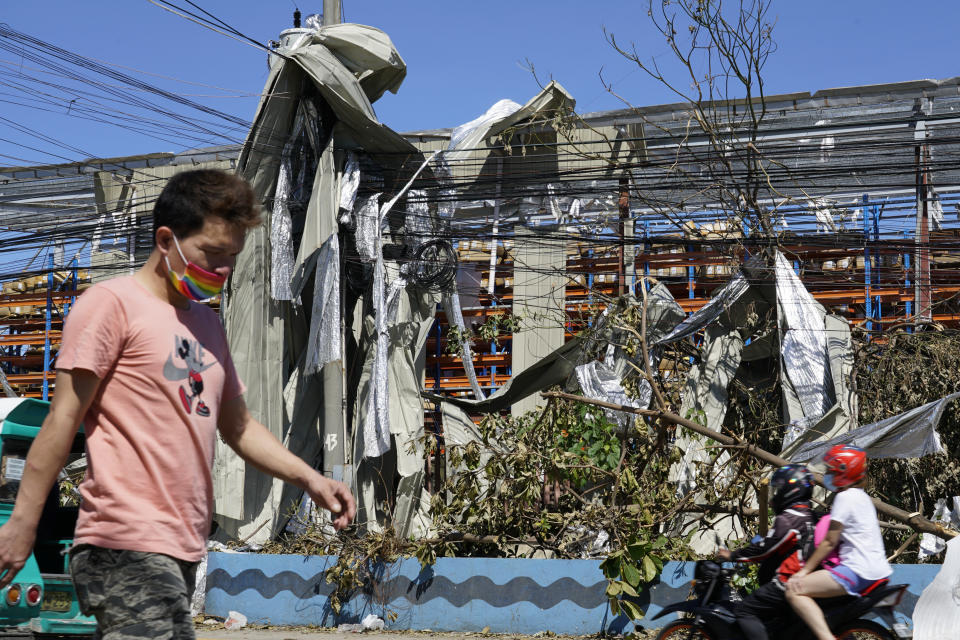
<point x="914" y="520"/>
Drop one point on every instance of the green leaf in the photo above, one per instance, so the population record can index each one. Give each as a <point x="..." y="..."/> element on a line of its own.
<point x="614" y="606"/>
<point x="631" y="574"/>
<point x="649" y="569"/>
<point x="614" y="589"/>
<point x="631" y="609"/>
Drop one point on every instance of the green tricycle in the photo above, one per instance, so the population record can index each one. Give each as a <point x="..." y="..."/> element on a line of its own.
<point x="41" y="600"/>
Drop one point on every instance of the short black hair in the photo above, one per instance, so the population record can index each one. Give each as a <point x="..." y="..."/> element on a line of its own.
<point x="191" y="196"/>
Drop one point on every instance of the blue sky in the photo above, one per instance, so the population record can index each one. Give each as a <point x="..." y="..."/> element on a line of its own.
<point x="461" y="56"/>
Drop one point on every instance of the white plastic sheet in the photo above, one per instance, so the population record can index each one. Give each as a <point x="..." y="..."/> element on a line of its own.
<point x="937" y="613"/>
<point x="470" y="134"/>
<point x="911" y="434"/>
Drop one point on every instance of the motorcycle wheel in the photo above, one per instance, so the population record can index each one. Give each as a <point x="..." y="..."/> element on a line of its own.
<point x="863" y="630"/>
<point x="683" y="630"/>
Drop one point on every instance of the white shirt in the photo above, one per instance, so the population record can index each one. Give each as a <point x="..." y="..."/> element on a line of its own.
<point x="861" y="547"/>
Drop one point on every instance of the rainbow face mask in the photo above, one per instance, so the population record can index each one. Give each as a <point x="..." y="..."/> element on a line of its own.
<point x="195" y="284"/>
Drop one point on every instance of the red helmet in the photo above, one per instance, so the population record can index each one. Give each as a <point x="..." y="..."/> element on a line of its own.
<point x="846" y="464"/>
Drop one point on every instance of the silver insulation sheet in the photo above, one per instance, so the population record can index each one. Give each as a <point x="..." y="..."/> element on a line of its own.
<point x="599" y="381"/>
<point x="349" y="183"/>
<point x="418" y="225"/>
<point x="911" y="434"/>
<point x="804" y="341"/>
<point x="709" y="312"/>
<point x="281" y="236"/>
<point x="376" y="429"/>
<point x="368" y="228"/>
<point x="324" y="343"/>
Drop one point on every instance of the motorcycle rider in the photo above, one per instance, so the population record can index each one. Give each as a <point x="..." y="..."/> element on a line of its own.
<point x="854" y="526"/>
<point x="790" y="539"/>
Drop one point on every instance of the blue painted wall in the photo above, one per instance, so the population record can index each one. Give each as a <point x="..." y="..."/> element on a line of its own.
<point x="455" y="594"/>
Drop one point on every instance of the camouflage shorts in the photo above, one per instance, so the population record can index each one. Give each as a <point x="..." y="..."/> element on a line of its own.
<point x="133" y="594"/>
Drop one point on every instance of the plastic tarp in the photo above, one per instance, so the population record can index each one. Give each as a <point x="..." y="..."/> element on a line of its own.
<point x="911" y="434"/>
<point x="936" y="615"/>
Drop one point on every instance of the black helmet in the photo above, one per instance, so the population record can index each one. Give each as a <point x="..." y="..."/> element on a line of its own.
<point x="791" y="483"/>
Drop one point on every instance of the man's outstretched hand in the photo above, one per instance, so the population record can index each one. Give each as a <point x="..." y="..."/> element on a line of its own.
<point x="16" y="545"/>
<point x="335" y="497"/>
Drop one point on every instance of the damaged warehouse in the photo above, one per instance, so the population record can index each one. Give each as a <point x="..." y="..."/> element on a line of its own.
<point x="550" y="334"/>
<point x="521" y="216"/>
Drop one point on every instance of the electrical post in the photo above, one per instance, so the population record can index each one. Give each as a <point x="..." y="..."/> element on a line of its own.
<point x="332" y="13"/>
<point x="624" y="207"/>
<point x="922" y="293"/>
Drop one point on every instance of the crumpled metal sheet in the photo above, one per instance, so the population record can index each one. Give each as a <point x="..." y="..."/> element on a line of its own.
<point x="368" y="228"/>
<point x="728" y="295"/>
<point x="281" y="236"/>
<point x="936" y="615"/>
<point x="555" y="368"/>
<point x="804" y="342"/>
<point x="599" y="381"/>
<point x="324" y="344"/>
<point x="349" y="183"/>
<point x="705" y="396"/>
<point x="451" y="304"/>
<point x="911" y="434"/>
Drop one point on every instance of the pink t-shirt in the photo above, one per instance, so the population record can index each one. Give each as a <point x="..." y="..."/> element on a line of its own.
<point x="151" y="428"/>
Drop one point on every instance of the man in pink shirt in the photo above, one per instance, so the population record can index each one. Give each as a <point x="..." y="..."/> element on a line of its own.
<point x="148" y="371"/>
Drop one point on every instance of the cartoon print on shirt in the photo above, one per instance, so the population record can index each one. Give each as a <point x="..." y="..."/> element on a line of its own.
<point x="192" y="353"/>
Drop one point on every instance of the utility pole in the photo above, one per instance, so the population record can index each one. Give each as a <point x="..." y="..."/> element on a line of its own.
<point x="922" y="293"/>
<point x="623" y="204"/>
<point x="332" y="13"/>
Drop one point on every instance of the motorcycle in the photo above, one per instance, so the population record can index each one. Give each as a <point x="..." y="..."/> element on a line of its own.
<point x="712" y="612"/>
